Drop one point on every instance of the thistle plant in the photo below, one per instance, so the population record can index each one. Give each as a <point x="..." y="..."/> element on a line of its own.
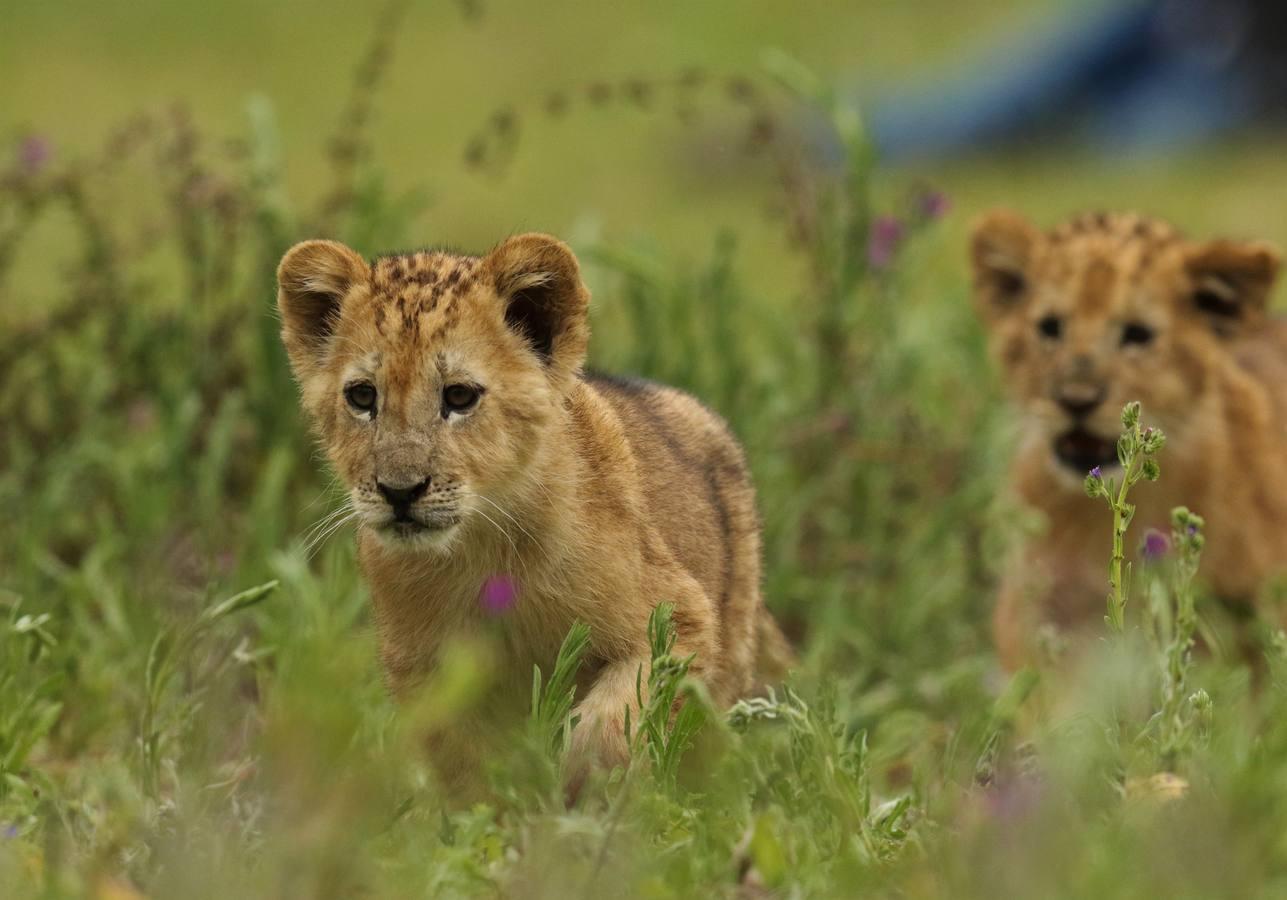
<point x="1186" y="541"/>
<point x="1136" y="451"/>
<point x="1171" y="615"/>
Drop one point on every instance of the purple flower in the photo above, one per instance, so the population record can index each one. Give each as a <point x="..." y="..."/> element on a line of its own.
<point x="34" y="153"/>
<point x="10" y="831"/>
<point x="1015" y="800"/>
<point x="1192" y="529"/>
<point x="498" y="595"/>
<point x="1156" y="545"/>
<point x="883" y="240"/>
<point x="1096" y="473"/>
<point x="932" y="204"/>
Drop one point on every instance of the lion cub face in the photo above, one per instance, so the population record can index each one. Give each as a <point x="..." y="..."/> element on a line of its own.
<point x="1107" y="309"/>
<point x="432" y="378"/>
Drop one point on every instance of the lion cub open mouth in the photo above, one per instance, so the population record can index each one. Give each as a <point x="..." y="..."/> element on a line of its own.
<point x="1083" y="450"/>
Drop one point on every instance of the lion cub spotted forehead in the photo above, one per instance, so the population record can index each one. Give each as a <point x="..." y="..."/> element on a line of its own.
<point x="1102" y="265"/>
<point x="498" y="486"/>
<point x="414" y="285"/>
<point x="1110" y="308"/>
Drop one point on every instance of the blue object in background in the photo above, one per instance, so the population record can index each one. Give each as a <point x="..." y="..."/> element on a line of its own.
<point x="1139" y="76"/>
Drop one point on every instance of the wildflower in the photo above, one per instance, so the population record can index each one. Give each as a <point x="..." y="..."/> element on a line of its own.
<point x="1095" y="483"/>
<point x="932" y="205"/>
<point x="34" y="153"/>
<point x="883" y="240"/>
<point x="1156" y="545"/>
<point x="498" y="595"/>
<point x="1186" y="530"/>
<point x="1015" y="800"/>
<point x="10" y="831"/>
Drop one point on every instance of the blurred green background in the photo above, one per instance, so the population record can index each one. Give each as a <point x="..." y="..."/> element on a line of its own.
<point x="72" y="70"/>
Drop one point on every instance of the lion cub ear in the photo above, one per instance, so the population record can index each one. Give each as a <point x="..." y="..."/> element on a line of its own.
<point x="1002" y="246"/>
<point x="312" y="281"/>
<point x="539" y="281"/>
<point x="1230" y="282"/>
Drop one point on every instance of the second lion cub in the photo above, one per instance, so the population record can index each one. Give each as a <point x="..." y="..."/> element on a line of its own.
<point x="493" y="481"/>
<point x="1104" y="310"/>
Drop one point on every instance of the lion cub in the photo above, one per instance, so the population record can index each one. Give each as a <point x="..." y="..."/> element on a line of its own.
<point x="497" y="485"/>
<point x="1104" y="310"/>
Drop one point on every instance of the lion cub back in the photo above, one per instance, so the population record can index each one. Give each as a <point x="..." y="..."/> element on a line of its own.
<point x="699" y="494"/>
<point x="1264" y="356"/>
<point x="692" y="472"/>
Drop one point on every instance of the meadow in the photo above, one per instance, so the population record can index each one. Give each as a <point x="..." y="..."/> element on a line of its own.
<point x="190" y="703"/>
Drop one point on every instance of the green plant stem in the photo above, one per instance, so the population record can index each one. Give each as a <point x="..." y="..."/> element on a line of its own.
<point x="1121" y="520"/>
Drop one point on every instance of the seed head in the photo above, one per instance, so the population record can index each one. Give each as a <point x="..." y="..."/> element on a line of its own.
<point x="883" y="241"/>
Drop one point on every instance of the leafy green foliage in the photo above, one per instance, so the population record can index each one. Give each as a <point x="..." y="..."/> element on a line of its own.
<point x="168" y="649"/>
<point x="666" y="726"/>
<point x="551" y="721"/>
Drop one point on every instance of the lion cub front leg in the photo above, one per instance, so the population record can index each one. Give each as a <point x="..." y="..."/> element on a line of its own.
<point x="599" y="738"/>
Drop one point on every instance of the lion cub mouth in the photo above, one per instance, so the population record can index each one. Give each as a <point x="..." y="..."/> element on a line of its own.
<point x="1083" y="450"/>
<point x="407" y="527"/>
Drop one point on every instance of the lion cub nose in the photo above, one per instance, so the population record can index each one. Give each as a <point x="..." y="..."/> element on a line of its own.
<point x="401" y="498"/>
<point x="1080" y="400"/>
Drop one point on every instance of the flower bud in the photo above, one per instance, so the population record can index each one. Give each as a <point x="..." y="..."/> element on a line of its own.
<point x="1094" y="483"/>
<point x="1131" y="415"/>
<point x="1203" y="709"/>
<point x="1152" y="440"/>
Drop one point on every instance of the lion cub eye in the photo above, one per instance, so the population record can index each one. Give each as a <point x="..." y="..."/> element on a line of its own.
<point x="459" y="397"/>
<point x="361" y="396"/>
<point x="1010" y="284"/>
<point x="1051" y="326"/>
<point x="1136" y="333"/>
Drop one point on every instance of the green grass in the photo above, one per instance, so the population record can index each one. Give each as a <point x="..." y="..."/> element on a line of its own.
<point x="164" y="732"/>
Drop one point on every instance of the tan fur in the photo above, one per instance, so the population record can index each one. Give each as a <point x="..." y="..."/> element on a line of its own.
<point x="600" y="497"/>
<point x="1213" y="375"/>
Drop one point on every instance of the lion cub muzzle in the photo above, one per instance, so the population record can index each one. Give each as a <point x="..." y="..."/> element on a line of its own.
<point x="401" y="498"/>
